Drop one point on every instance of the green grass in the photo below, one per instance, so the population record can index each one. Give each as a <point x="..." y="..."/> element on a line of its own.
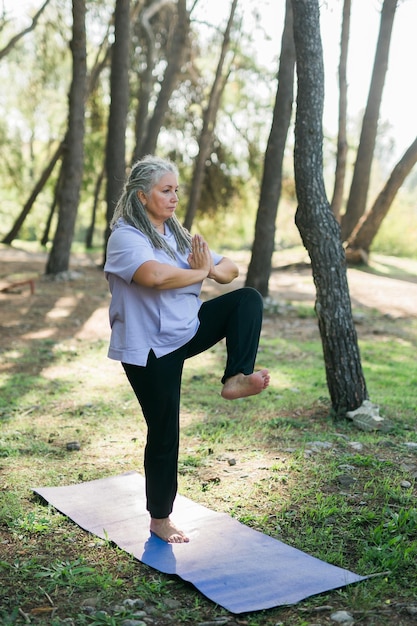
<point x="255" y="459"/>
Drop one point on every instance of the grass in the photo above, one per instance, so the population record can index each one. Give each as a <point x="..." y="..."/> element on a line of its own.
<point x="277" y="462"/>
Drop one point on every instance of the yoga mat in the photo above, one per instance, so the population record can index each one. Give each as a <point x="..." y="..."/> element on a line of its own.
<point x="236" y="567"/>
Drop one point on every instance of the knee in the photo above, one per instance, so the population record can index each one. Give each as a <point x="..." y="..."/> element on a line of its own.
<point x="253" y="297"/>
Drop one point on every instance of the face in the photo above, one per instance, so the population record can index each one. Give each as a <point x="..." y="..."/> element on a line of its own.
<point x="161" y="202"/>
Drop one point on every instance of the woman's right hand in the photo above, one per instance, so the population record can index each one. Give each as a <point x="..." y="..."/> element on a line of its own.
<point x="200" y="256"/>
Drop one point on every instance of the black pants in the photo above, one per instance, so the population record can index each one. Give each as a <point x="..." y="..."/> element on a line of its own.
<point x="236" y="316"/>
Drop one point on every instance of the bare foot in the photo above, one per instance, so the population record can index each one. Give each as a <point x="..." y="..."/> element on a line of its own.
<point x="167" y="531"/>
<point x="242" y="385"/>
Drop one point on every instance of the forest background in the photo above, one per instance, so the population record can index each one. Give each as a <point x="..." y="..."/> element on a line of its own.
<point x="37" y="73"/>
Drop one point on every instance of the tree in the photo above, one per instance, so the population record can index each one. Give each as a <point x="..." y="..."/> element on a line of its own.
<point x="13" y="232"/>
<point x="72" y="164"/>
<point x="356" y="203"/>
<point x="342" y="145"/>
<point x="147" y="128"/>
<point x="264" y="241"/>
<point x="362" y="236"/>
<point x="316" y="222"/>
<point x="209" y="121"/>
<point x="13" y="41"/>
<point x="119" y="106"/>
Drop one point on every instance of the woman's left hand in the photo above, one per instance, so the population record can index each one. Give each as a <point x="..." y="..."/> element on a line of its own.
<point x="200" y="256"/>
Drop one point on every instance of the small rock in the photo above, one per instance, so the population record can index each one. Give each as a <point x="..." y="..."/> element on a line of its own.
<point x="405" y="484"/>
<point x="412" y="609"/>
<point x="345" y="480"/>
<point x="342" y="617"/>
<point x="133" y="622"/>
<point x="319" y="445"/>
<point x="231" y="461"/>
<point x="135" y="603"/>
<point x="73" y="445"/>
<point x="411" y="444"/>
<point x="172" y="604"/>
<point x="356" y="445"/>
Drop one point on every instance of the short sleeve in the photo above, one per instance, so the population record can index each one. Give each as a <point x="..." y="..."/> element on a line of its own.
<point x="127" y="250"/>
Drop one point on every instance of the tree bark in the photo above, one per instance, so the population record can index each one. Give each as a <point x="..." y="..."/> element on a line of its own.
<point x="259" y="269"/>
<point x="356" y="204"/>
<point x="209" y="121"/>
<point x="318" y="226"/>
<point x="72" y="165"/>
<point x="119" y="106"/>
<point x="342" y="144"/>
<point x="360" y="241"/>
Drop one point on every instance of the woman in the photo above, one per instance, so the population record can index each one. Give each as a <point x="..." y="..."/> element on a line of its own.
<point x="155" y="271"/>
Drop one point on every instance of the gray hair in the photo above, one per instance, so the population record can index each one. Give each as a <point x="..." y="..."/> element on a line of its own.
<point x="144" y="174"/>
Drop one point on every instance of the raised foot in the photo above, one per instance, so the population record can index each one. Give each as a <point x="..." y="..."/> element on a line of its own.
<point x="166" y="530"/>
<point x="242" y="385"/>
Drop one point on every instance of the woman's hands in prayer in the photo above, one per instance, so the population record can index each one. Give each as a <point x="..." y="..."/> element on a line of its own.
<point x="200" y="256"/>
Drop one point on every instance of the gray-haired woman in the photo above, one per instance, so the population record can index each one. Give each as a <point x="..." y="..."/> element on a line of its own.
<point x="155" y="270"/>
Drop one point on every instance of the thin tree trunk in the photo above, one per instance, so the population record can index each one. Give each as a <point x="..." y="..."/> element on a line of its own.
<point x="176" y="57"/>
<point x="360" y="242"/>
<point x="259" y="269"/>
<point x="209" y="121"/>
<point x="13" y="41"/>
<point x="318" y="226"/>
<point x="12" y="234"/>
<point x="90" y="231"/>
<point x="356" y="204"/>
<point x="72" y="166"/>
<point x="119" y="106"/>
<point x="45" y="237"/>
<point x="342" y="144"/>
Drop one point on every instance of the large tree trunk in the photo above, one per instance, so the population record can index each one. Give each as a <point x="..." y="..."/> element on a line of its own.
<point x="259" y="269"/>
<point x="119" y="106"/>
<point x="360" y="242"/>
<point x="342" y="145"/>
<point x="72" y="165"/>
<point x="315" y="220"/>
<point x="356" y="204"/>
<point x="209" y="121"/>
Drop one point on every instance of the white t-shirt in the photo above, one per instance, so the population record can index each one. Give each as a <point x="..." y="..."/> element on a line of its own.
<point x="143" y="318"/>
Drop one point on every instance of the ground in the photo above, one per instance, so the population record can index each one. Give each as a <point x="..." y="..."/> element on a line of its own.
<point x="388" y="286"/>
<point x="76" y="307"/>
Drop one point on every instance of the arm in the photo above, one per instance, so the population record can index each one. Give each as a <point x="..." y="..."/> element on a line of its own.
<point x="164" y="276"/>
<point x="224" y="272"/>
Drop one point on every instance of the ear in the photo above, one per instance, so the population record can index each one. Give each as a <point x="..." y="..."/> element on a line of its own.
<point x="142" y="197"/>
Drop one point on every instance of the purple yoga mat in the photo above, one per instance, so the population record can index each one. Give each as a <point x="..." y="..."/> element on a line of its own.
<point x="236" y="567"/>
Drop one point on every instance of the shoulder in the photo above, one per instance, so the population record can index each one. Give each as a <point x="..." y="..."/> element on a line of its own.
<point x="125" y="234"/>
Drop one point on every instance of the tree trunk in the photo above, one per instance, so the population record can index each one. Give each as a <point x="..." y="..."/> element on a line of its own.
<point x="318" y="226"/>
<point x="356" y="204"/>
<point x="209" y="121"/>
<point x="14" y="231"/>
<point x="259" y="269"/>
<point x="176" y="56"/>
<point x="72" y="165"/>
<point x="360" y="242"/>
<point x="342" y="145"/>
<point x="90" y="232"/>
<point x="119" y="106"/>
